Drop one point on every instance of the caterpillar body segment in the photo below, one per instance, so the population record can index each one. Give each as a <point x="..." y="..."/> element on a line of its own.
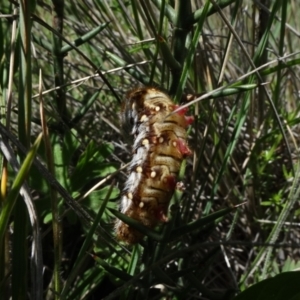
<point x="158" y="150"/>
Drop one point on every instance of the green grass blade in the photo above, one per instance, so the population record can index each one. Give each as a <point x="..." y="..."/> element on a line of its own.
<point x="17" y="184"/>
<point x="85" y="38"/>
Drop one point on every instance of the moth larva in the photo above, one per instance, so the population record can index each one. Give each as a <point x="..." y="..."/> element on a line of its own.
<point x="158" y="150"/>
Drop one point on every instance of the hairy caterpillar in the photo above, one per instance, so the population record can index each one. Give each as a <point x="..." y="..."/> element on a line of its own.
<point x="158" y="150"/>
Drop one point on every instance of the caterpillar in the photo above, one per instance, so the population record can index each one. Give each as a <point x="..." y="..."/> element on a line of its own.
<point x="158" y="150"/>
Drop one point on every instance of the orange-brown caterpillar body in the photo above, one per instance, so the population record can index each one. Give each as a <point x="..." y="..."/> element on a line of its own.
<point x="158" y="150"/>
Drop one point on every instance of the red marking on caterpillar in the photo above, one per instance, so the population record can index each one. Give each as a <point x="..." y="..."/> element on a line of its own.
<point x="189" y="119"/>
<point x="170" y="182"/>
<point x="183" y="148"/>
<point x="181" y="111"/>
<point x="158" y="150"/>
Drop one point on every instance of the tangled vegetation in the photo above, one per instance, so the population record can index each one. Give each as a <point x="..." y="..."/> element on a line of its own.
<point x="65" y="67"/>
